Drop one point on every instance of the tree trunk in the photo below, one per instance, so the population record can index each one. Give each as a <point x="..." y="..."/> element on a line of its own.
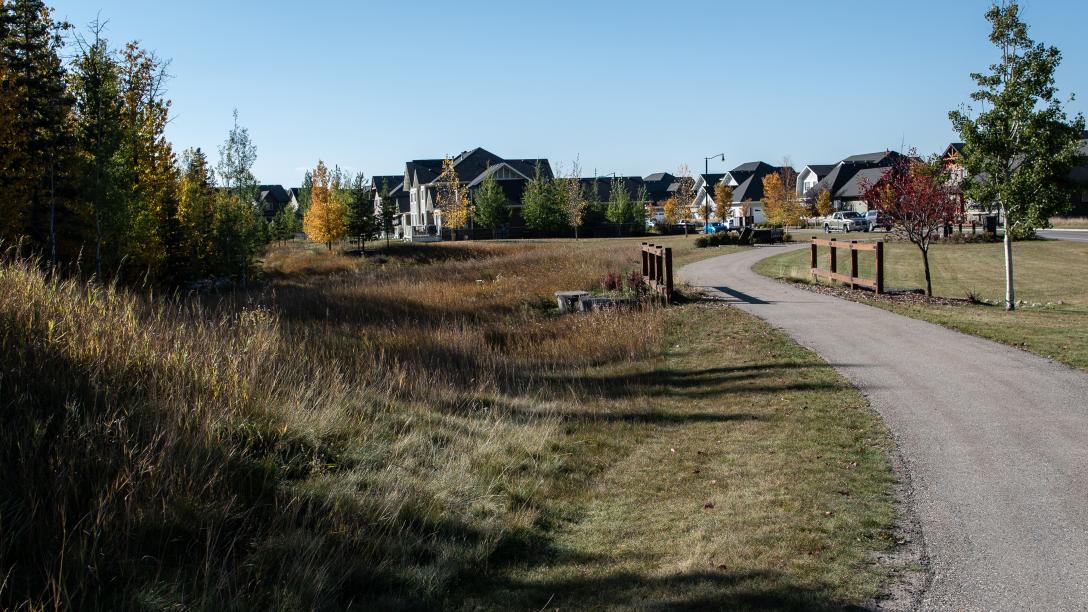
<point x="52" y="213"/>
<point x="929" y="278"/>
<point x="1010" y="293"/>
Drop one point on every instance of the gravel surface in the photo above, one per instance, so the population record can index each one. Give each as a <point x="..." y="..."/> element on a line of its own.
<point x="994" y="439"/>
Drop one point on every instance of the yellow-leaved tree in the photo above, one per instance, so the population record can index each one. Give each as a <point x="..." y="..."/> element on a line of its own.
<point x="780" y="205"/>
<point x="823" y="204"/>
<point x="327" y="218"/>
<point x="671" y="212"/>
<point x="723" y="200"/>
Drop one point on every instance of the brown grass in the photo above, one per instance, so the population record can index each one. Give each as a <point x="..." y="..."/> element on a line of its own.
<point x="391" y="432"/>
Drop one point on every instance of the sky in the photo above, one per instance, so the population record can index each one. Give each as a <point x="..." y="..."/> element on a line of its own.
<point x="627" y="87"/>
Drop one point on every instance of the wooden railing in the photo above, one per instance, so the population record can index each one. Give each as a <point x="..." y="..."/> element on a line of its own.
<point x="657" y="269"/>
<point x="852" y="279"/>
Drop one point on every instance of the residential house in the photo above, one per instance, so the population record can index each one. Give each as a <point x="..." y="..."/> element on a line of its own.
<point x="271" y="199"/>
<point x="660" y="186"/>
<point x="393" y="184"/>
<point x="746" y="180"/>
<point x="423" y="222"/>
<point x="848" y="180"/>
<point x="809" y="177"/>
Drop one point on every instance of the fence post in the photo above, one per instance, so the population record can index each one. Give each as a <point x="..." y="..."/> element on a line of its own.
<point x="833" y="266"/>
<point x="668" y="274"/>
<point x="812" y="258"/>
<point x="853" y="264"/>
<point x="645" y="262"/>
<point x="880" y="267"/>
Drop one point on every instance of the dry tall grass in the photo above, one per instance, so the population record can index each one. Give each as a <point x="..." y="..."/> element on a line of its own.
<point x="1069" y="222"/>
<point x="353" y="432"/>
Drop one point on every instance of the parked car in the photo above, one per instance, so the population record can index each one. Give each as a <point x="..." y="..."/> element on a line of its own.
<point x="715" y="226"/>
<point x="845" y="220"/>
<point x="875" y="219"/>
<point x="651" y="223"/>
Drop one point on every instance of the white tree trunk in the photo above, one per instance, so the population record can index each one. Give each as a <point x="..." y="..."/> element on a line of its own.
<point x="1010" y="294"/>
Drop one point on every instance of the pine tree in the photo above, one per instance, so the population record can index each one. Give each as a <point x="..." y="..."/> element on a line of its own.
<point x="196" y="214"/>
<point x="326" y="221"/>
<point x="361" y="223"/>
<point x="97" y="87"/>
<point x="42" y="144"/>
<point x="490" y="204"/>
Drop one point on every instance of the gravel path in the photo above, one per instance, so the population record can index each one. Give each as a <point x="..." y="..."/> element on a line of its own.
<point x="995" y="439"/>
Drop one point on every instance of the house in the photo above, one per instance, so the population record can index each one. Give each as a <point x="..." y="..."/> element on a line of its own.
<point x="848" y="180"/>
<point x="293" y="194"/>
<point x="746" y="180"/>
<point x="809" y="177"/>
<point x="271" y="199"/>
<point x="423" y="222"/>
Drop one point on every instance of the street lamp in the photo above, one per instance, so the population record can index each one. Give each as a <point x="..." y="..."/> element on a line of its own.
<point x="706" y="198"/>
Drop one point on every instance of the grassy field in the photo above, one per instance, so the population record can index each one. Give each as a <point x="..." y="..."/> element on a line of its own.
<point x="1051" y="278"/>
<point x="418" y="429"/>
<point x="1069" y="222"/>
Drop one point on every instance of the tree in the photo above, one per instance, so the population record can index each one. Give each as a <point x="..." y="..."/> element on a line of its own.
<point x="150" y="180"/>
<point x="96" y="84"/>
<point x="490" y="204"/>
<point x="236" y="158"/>
<point x="671" y="212"/>
<point x="304" y="193"/>
<point x="326" y="221"/>
<point x="284" y="225"/>
<point x="640" y="205"/>
<point x="450" y="199"/>
<point x="196" y="215"/>
<point x="1020" y="148"/>
<point x="780" y="205"/>
<point x="723" y="200"/>
<point x="574" y="200"/>
<point x="919" y="200"/>
<point x="823" y="203"/>
<point x="361" y="223"/>
<point x="540" y="205"/>
<point x="684" y="194"/>
<point x="387" y="211"/>
<point x="619" y="202"/>
<point x="36" y="119"/>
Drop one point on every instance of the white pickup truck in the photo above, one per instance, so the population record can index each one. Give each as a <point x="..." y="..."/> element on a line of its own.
<point x="846" y="221"/>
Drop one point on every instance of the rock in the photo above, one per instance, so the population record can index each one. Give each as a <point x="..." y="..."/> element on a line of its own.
<point x="568" y="300"/>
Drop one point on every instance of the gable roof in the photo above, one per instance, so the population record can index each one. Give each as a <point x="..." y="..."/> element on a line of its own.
<point x="390" y="182"/>
<point x="862" y="179"/>
<point x="471" y="165"/>
<point x="844" y="182"/>
<point x="820" y="170"/>
<point x="273" y="194"/>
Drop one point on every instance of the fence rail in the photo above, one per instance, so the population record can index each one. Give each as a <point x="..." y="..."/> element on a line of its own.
<point x="852" y="279"/>
<point x="657" y="269"/>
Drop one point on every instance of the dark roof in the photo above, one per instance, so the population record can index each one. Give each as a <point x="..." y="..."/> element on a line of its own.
<point x="274" y="194"/>
<point x="389" y="181"/>
<point x="870" y="158"/>
<point x="862" y="179"/>
<point x="821" y="170"/>
<point x="712" y="179"/>
<point x="841" y="181"/>
<point x="660" y="177"/>
<point x="756" y="166"/>
<point x="294" y="192"/>
<point x="955" y="147"/>
<point x="604" y="185"/>
<point x="470" y="165"/>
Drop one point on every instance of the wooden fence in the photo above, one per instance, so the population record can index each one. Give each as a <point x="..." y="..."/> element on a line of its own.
<point x="657" y="269"/>
<point x="852" y="279"/>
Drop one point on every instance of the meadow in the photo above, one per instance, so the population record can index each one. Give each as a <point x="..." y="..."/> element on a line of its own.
<point x="419" y="429"/>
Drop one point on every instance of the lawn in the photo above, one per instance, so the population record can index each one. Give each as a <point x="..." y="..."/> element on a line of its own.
<point x="1051" y="278"/>
<point x="419" y="429"/>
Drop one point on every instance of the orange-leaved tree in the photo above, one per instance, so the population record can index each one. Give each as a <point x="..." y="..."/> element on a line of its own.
<point x="327" y="219"/>
<point x="723" y="200"/>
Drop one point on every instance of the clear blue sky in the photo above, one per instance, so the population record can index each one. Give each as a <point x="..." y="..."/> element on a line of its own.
<point x="630" y="87"/>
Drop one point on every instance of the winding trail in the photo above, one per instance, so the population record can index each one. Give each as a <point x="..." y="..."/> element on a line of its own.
<point x="995" y="439"/>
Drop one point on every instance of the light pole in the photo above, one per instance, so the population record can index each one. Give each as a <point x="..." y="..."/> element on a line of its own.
<point x="706" y="187"/>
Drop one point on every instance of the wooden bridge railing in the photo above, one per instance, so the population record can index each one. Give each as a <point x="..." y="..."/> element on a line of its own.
<point x="657" y="269"/>
<point x="852" y="279"/>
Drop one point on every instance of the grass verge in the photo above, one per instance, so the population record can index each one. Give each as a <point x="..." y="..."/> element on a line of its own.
<point x="417" y="429"/>
<point x="1051" y="279"/>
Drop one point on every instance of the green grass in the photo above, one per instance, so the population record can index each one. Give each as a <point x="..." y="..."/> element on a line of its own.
<point x="419" y="429"/>
<point x="1051" y="277"/>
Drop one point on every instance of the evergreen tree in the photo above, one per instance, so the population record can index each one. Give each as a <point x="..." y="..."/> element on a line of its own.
<point x="304" y="194"/>
<point x="541" y="205"/>
<point x="491" y="210"/>
<point x="197" y="216"/>
<point x="361" y="223"/>
<point x="640" y="205"/>
<point x="284" y="225"/>
<point x="97" y="88"/>
<point x="37" y="119"/>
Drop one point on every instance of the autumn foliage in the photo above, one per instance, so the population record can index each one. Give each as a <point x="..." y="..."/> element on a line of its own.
<point x="326" y="220"/>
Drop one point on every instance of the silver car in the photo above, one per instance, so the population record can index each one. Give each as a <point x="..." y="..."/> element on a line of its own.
<point x="846" y="221"/>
